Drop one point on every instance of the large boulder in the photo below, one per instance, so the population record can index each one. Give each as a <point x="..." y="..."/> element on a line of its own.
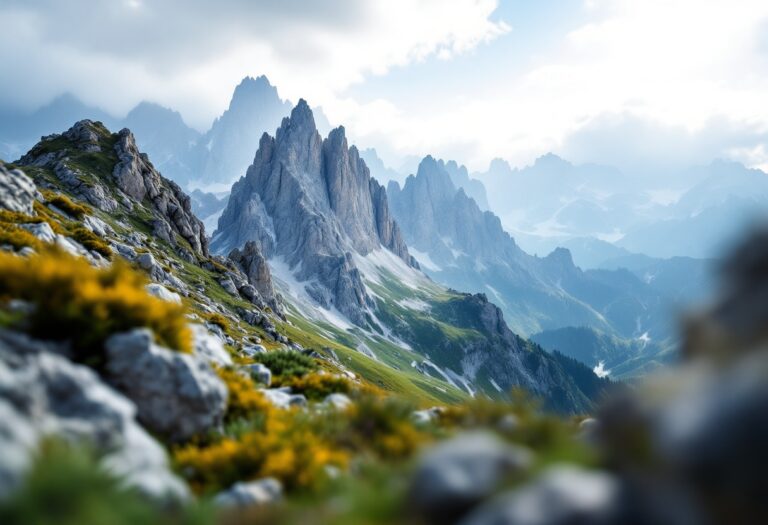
<point x="177" y="395"/>
<point x="44" y="394"/>
<point x="456" y="474"/>
<point x="561" y="496"/>
<point x="17" y="191"/>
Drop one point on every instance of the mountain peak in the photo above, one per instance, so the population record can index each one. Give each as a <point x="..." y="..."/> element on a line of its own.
<point x="550" y="160"/>
<point x="253" y="91"/>
<point x="499" y="165"/>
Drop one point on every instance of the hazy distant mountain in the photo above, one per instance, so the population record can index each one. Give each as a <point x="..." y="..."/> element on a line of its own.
<point x="379" y="170"/>
<point x="163" y="135"/>
<point x="458" y="244"/>
<point x="20" y="130"/>
<point x="224" y="153"/>
<point x="607" y="354"/>
<point x="708" y="217"/>
<point x="472" y="187"/>
<point x="553" y="197"/>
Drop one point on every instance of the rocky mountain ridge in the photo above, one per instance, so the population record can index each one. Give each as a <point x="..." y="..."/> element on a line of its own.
<point x="313" y="203"/>
<point x="463" y="247"/>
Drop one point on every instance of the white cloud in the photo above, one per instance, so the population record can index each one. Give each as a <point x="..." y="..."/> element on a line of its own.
<point x="189" y="54"/>
<point x="672" y="63"/>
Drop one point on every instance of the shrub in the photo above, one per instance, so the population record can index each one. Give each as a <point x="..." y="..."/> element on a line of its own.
<point x="85" y="305"/>
<point x="18" y="237"/>
<point x="285" y="448"/>
<point x="244" y="401"/>
<point x="383" y="425"/>
<point x="286" y="363"/>
<point x="66" y="205"/>
<point x="317" y="386"/>
<point x="217" y="319"/>
<point x="91" y="241"/>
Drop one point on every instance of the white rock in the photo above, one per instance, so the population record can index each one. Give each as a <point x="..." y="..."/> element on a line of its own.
<point x="17" y="191"/>
<point x="260" y="373"/>
<point x="177" y="395"/>
<point x="42" y="393"/>
<point x="252" y="350"/>
<point x="161" y="292"/>
<point x="41" y="230"/>
<point x="251" y="494"/>
<point x="97" y="226"/>
<point x="456" y="474"/>
<point x="561" y="496"/>
<point x="282" y="398"/>
<point x="338" y="401"/>
<point x="209" y="347"/>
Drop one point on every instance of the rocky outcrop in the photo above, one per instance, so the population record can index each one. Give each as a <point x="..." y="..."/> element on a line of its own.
<point x="312" y="203"/>
<point x="44" y="394"/>
<point x="177" y="395"/>
<point x="254" y="266"/>
<point x="137" y="178"/>
<point x="133" y="179"/>
<point x="17" y="191"/>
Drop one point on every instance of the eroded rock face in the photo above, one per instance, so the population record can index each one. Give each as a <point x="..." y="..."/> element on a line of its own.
<point x="256" y="270"/>
<point x="312" y="203"/>
<point x="177" y="395"/>
<point x="138" y="179"/>
<point x="134" y="180"/>
<point x="17" y="191"/>
<point x="43" y="393"/>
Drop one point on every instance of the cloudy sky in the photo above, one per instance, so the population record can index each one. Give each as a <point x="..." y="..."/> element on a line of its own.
<point x="634" y="83"/>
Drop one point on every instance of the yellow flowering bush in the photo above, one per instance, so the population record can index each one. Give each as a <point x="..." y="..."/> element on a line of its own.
<point x="217" y="319"/>
<point x="317" y="386"/>
<point x="244" y="400"/>
<point x="383" y="425"/>
<point x="85" y="305"/>
<point x="65" y="204"/>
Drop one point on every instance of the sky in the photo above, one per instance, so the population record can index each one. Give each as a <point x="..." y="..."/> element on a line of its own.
<point x="647" y="85"/>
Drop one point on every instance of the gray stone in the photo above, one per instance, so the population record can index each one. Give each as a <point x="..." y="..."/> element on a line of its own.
<point x="282" y="398"/>
<point x="17" y="191"/>
<point x="337" y="401"/>
<point x="43" y="394"/>
<point x="458" y="473"/>
<point x="252" y="350"/>
<point x="260" y="373"/>
<point x="561" y="496"/>
<point x="177" y="395"/>
<point x="97" y="226"/>
<point x="41" y="230"/>
<point x="146" y="260"/>
<point x="209" y="347"/>
<point x="161" y="292"/>
<point x="254" y="266"/>
<point x="137" y="178"/>
<point x="251" y="494"/>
